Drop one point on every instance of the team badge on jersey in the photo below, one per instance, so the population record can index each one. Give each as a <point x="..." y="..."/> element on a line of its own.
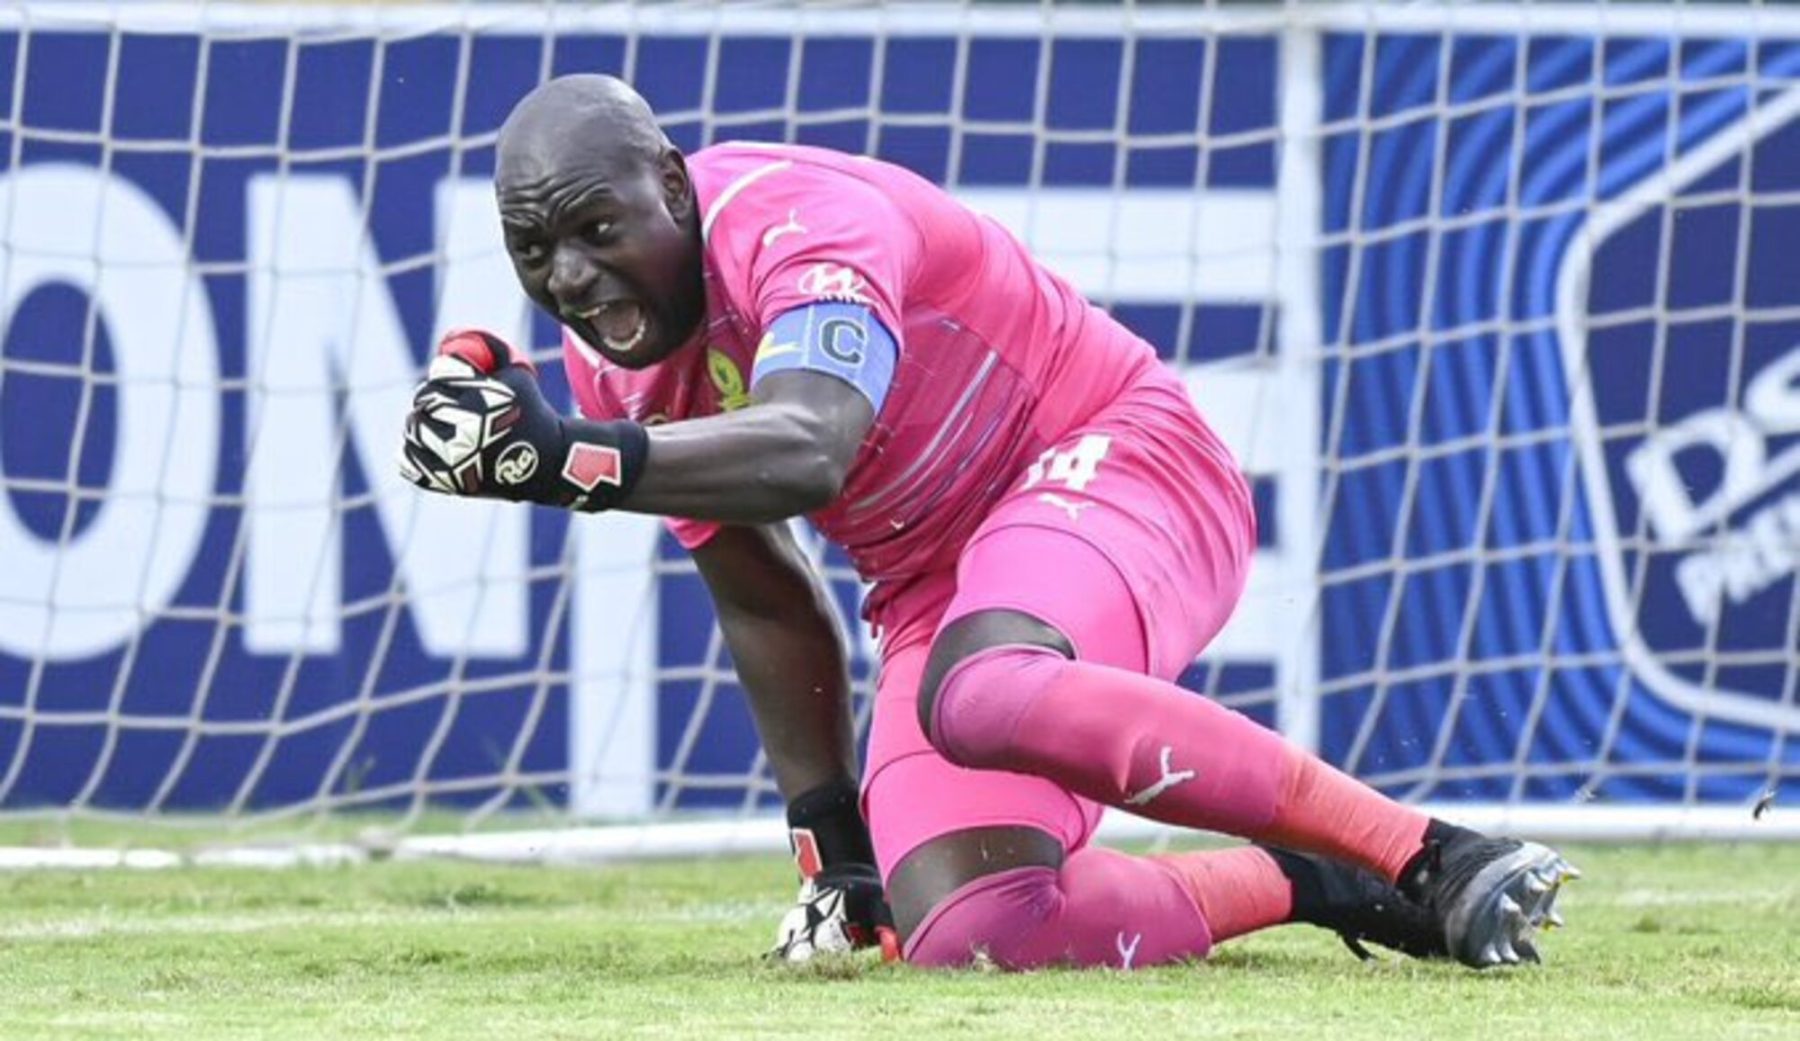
<point x="727" y="379"/>
<point x="1685" y="410"/>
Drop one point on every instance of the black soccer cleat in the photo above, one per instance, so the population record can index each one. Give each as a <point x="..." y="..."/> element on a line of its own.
<point x="1489" y="896"/>
<point x="1359" y="906"/>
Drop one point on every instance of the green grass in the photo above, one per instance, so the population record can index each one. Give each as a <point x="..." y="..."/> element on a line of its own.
<point x="1677" y="942"/>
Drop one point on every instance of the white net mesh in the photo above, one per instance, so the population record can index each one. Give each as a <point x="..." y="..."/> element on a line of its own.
<point x="1492" y="301"/>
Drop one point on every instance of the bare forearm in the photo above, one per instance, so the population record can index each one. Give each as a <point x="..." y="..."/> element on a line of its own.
<point x="755" y="466"/>
<point x="778" y="620"/>
<point x="802" y="716"/>
<point x="784" y="455"/>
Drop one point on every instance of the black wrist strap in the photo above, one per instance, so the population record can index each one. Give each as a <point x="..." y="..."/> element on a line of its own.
<point x="825" y="828"/>
<point x="602" y="462"/>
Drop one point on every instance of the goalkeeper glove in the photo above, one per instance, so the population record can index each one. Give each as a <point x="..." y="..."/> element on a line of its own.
<point x="479" y="426"/>
<point x="839" y="910"/>
<point x="841" y="906"/>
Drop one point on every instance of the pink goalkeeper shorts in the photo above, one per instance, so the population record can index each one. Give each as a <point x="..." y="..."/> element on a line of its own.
<point x="1132" y="537"/>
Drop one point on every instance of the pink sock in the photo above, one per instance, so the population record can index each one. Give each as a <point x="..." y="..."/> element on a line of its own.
<point x="1239" y="890"/>
<point x="1324" y="810"/>
<point x="1100" y="908"/>
<point x="1148" y="746"/>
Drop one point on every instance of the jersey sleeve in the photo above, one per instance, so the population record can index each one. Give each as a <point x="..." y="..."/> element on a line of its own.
<point x="596" y="399"/>
<point x="819" y="236"/>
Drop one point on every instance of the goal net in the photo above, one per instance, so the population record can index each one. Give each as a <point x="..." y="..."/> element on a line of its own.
<point x="1496" y="303"/>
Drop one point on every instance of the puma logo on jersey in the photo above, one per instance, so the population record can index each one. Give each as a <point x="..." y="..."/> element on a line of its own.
<point x="792" y="227"/>
<point x="1170" y="778"/>
<point x="1073" y="509"/>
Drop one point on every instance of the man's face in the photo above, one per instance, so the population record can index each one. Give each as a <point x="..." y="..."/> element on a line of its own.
<point x="605" y="240"/>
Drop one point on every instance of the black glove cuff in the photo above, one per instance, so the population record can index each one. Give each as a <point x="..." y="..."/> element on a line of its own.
<point x="602" y="461"/>
<point x="830" y="818"/>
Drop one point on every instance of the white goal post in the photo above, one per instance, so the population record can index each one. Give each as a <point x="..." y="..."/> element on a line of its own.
<point x="1493" y="301"/>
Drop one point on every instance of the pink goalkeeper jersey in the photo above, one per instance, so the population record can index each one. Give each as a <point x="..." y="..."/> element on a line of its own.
<point x="997" y="356"/>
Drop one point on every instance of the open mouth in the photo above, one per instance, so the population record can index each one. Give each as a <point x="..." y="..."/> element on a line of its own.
<point x="621" y="325"/>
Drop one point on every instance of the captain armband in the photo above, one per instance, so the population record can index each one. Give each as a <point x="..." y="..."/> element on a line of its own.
<point x="839" y="339"/>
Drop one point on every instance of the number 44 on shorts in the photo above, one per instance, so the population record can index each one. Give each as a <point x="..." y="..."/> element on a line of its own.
<point x="1072" y="468"/>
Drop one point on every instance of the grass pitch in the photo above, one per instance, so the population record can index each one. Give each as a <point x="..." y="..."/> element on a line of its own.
<point x="1676" y="942"/>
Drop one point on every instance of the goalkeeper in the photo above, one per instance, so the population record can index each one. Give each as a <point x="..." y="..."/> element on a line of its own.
<point x="1051" y="532"/>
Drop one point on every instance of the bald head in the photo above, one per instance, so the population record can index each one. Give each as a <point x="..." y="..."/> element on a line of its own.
<point x="599" y="117"/>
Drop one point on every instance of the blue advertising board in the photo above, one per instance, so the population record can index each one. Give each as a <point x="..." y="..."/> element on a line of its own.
<point x="1593" y="349"/>
<point x="1558" y="429"/>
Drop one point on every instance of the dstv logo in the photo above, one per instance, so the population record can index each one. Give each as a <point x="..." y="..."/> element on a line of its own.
<point x="1738" y="445"/>
<point x="1677" y="321"/>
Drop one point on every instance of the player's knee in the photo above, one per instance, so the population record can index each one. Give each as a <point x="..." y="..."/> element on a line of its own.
<point x="983" y="671"/>
<point x="998" y="919"/>
<point x="977" y="706"/>
<point x="1100" y="908"/>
